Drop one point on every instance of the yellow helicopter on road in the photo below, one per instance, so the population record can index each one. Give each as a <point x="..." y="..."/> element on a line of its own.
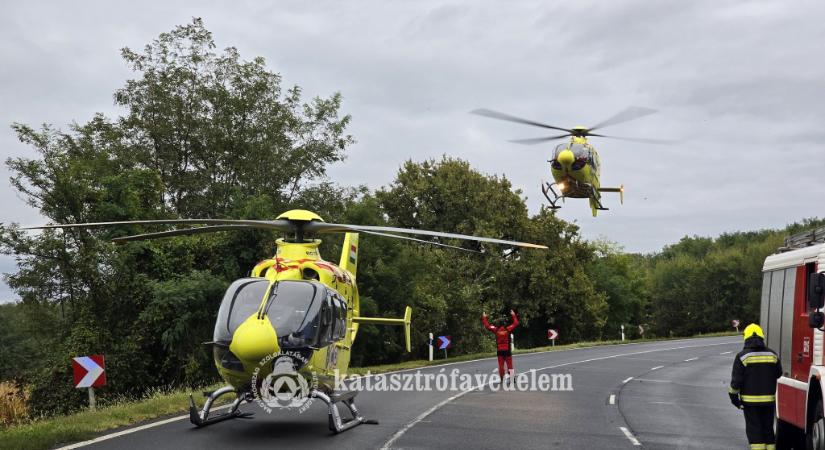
<point x="283" y="335"/>
<point x="575" y="166"/>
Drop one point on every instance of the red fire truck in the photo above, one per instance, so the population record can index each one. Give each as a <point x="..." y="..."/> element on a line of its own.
<point x="793" y="288"/>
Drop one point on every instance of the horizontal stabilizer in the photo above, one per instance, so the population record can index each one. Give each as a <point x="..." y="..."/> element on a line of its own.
<point x="619" y="189"/>
<point x="405" y="322"/>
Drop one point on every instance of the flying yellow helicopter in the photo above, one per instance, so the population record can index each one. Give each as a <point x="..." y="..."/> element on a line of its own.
<point x="295" y="318"/>
<point x="575" y="166"/>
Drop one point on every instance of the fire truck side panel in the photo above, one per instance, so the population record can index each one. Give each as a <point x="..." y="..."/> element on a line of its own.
<point x="784" y="316"/>
<point x="789" y="400"/>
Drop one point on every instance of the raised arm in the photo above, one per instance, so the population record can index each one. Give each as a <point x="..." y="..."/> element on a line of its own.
<point x="515" y="321"/>
<point x="486" y="323"/>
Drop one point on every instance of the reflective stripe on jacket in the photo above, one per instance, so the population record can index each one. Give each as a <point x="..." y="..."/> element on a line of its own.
<point x="755" y="371"/>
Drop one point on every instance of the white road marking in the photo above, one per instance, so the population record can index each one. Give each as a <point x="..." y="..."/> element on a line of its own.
<point x="630" y="436"/>
<point x="612" y="400"/>
<point x="133" y="430"/>
<point x="625" y="381"/>
<point x="418" y="419"/>
<point x="725" y="353"/>
<point x="175" y="419"/>
<point x="691" y="359"/>
<point x="586" y="347"/>
<point x="656" y="368"/>
<point x="426" y="413"/>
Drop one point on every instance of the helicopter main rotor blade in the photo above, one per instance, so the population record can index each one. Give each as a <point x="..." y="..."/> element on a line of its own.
<point x="540" y="140"/>
<point x="282" y="225"/>
<point x="501" y="116"/>
<point x="422" y="241"/>
<point x="184" y="232"/>
<point x="625" y="115"/>
<point x="330" y="227"/>
<point x="640" y="140"/>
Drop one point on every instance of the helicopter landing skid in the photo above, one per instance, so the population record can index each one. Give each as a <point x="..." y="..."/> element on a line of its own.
<point x="202" y="419"/>
<point x="336" y="423"/>
<point x="547" y="190"/>
<point x="597" y="198"/>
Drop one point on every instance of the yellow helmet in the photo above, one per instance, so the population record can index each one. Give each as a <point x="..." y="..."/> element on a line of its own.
<point x="753" y="329"/>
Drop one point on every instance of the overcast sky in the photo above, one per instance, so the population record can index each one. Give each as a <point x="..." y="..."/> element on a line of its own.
<point x="744" y="80"/>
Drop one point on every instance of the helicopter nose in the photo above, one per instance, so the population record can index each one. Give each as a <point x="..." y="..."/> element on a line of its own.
<point x="565" y="158"/>
<point x="254" y="340"/>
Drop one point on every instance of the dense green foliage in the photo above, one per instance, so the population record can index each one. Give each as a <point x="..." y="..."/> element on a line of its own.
<point x="206" y="135"/>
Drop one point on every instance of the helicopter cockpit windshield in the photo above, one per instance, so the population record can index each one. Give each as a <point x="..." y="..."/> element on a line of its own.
<point x="303" y="313"/>
<point x="559" y="148"/>
<point x="582" y="155"/>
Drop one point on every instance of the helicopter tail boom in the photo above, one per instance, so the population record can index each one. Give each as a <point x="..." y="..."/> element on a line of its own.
<point x="405" y="322"/>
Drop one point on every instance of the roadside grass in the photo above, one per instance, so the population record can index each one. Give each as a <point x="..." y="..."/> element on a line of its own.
<point x="51" y="431"/>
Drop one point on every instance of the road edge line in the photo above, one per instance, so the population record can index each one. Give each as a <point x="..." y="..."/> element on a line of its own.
<point x="630" y="436"/>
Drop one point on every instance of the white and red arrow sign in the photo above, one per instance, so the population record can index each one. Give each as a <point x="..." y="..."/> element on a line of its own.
<point x="552" y="334"/>
<point x="89" y="371"/>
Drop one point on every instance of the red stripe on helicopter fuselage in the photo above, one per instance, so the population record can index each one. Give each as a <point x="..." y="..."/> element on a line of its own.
<point x="282" y="265"/>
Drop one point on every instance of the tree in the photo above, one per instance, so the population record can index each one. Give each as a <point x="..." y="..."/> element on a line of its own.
<point x="216" y="128"/>
<point x="204" y="134"/>
<point x="623" y="279"/>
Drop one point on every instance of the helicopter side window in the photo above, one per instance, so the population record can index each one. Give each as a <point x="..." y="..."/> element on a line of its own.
<point x="241" y="300"/>
<point x="554" y="163"/>
<point x="340" y="318"/>
<point x="326" y="317"/>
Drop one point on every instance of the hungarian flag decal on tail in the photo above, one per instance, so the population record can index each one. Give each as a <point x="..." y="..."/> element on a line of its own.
<point x="349" y="254"/>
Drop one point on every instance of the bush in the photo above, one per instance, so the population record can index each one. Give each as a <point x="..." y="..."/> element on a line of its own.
<point x="13" y="409"/>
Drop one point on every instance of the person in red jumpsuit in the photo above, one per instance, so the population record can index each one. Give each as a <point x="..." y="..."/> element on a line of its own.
<point x="502" y="331"/>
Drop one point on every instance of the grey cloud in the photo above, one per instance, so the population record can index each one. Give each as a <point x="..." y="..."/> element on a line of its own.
<point x="743" y="79"/>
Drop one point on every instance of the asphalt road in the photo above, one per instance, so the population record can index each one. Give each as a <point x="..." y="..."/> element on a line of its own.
<point x="663" y="395"/>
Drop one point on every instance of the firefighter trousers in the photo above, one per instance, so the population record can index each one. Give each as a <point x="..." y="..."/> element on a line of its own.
<point x="759" y="427"/>
<point x="505" y="358"/>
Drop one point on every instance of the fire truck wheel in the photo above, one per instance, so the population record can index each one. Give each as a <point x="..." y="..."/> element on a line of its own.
<point x="816" y="434"/>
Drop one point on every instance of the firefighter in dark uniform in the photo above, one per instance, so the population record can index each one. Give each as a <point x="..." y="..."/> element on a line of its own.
<point x="753" y="387"/>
